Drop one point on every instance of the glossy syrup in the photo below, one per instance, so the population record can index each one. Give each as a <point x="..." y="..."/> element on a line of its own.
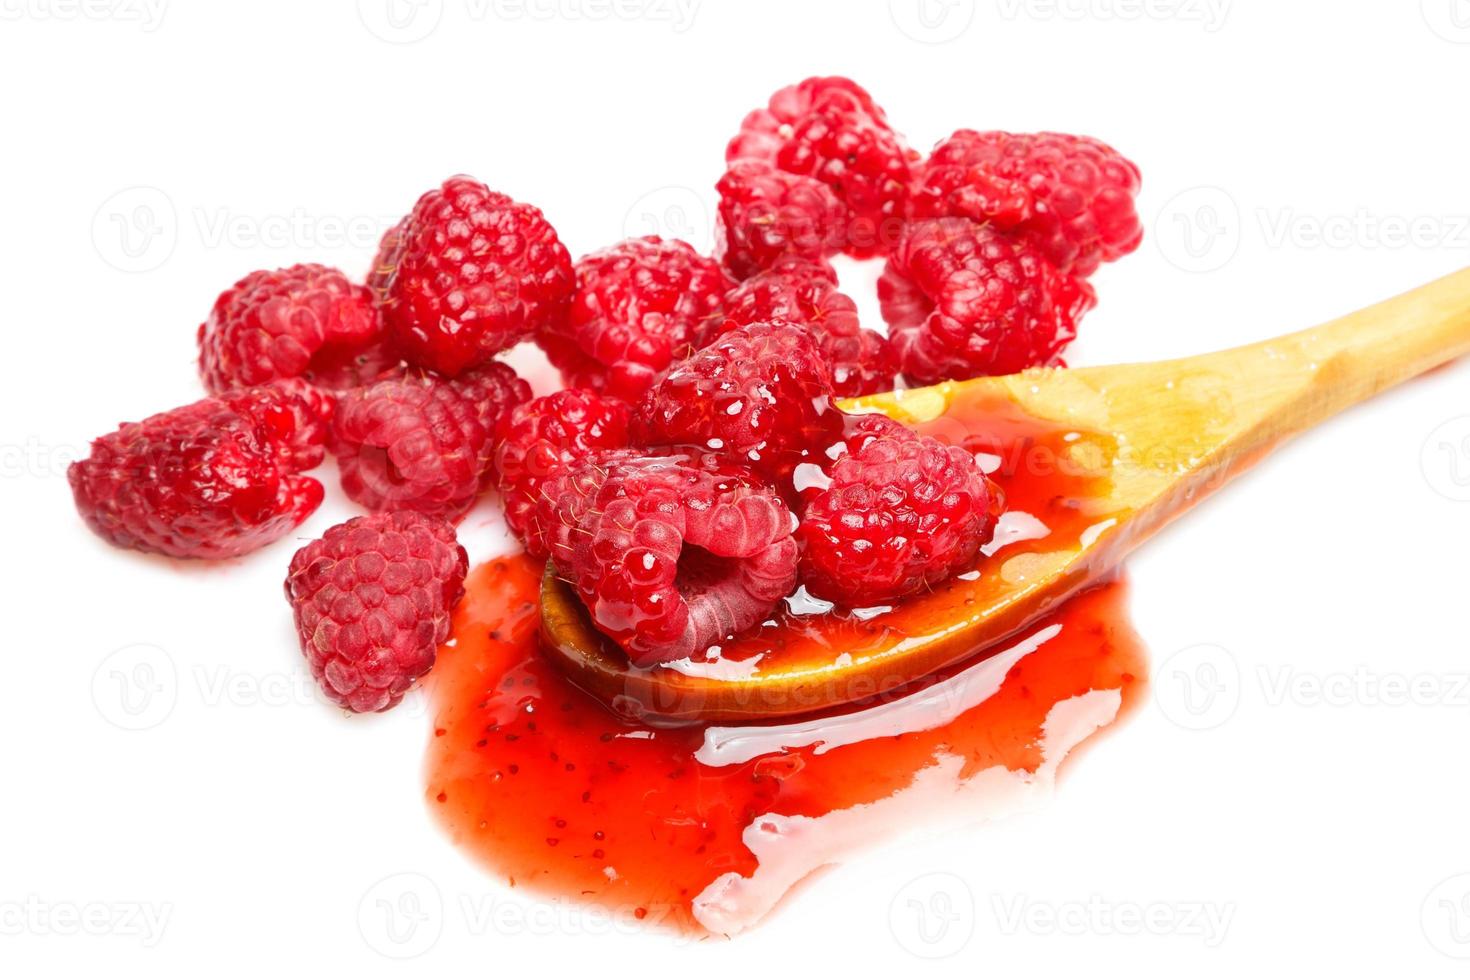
<point x="703" y="829"/>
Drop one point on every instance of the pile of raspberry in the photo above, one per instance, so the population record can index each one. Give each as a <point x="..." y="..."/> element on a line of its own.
<point x="698" y="467"/>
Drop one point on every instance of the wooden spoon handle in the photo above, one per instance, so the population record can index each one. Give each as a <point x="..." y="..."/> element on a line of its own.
<point x="1357" y="356"/>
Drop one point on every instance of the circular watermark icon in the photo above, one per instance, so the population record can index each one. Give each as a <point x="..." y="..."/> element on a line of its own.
<point x="1198" y="688"/>
<point x="671" y="212"/>
<point x="1199" y="229"/>
<point x="1450" y="19"/>
<point x="400" y="21"/>
<point x="401" y="916"/>
<point x="136" y="687"/>
<point x="932" y="21"/>
<point x="1444" y="459"/>
<point x="136" y="229"/>
<point x="933" y="916"/>
<point x="1445" y="917"/>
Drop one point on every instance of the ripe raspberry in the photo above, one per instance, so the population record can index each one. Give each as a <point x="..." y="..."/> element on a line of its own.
<point x="901" y="512"/>
<point x="285" y="323"/>
<point x="214" y="479"/>
<point x="372" y="600"/>
<point x="963" y="299"/>
<point x="476" y="273"/>
<point x="811" y="478"/>
<point x="672" y="554"/>
<point x="830" y="129"/>
<point x="538" y="440"/>
<point x="760" y="395"/>
<point x="806" y="293"/>
<point x="385" y="262"/>
<point x="1072" y="195"/>
<point x="766" y="214"/>
<point x="423" y="442"/>
<point x="639" y="305"/>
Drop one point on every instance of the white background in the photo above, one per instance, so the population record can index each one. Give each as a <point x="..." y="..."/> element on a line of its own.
<point x="153" y="154"/>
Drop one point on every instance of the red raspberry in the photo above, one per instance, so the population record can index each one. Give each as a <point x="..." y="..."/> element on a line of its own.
<point x="476" y="273"/>
<point x="372" y="601"/>
<point x="811" y="478"/>
<point x="672" y="554"/>
<point x="639" y="305"/>
<point x="423" y="442"/>
<point x="538" y="440"/>
<point x="1072" y="195"/>
<point x="806" y="293"/>
<point x="766" y="214"/>
<point x="385" y="263"/>
<point x="285" y="323"/>
<point x="830" y="129"/>
<point x="759" y="395"/>
<point x="963" y="299"/>
<point x="901" y="512"/>
<point x="213" y="479"/>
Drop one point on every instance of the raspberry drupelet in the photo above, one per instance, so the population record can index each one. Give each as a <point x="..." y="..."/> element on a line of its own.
<point x="372" y="601"/>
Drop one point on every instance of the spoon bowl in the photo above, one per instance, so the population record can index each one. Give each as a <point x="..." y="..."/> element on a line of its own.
<point x="1138" y="444"/>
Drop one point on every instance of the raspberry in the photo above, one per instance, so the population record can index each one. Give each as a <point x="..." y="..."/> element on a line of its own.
<point x="963" y="299"/>
<point x="538" y="440"/>
<point x="901" y="512"/>
<point x="766" y="214"/>
<point x="385" y="263"/>
<point x="830" y="129"/>
<point x="423" y="442"/>
<point x="339" y="369"/>
<point x="759" y="394"/>
<point x="214" y="479"/>
<point x="372" y="600"/>
<point x="285" y="323"/>
<point x="639" y="305"/>
<point x="1072" y="195"/>
<point x="476" y="273"/>
<point x="805" y="293"/>
<point x="672" y="554"/>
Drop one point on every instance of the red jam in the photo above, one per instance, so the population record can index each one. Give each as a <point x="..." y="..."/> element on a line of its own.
<point x="703" y="829"/>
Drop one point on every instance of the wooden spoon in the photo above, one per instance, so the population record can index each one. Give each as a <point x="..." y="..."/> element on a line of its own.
<point x="1179" y="430"/>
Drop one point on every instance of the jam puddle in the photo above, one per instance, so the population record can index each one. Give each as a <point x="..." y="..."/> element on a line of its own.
<point x="704" y="829"/>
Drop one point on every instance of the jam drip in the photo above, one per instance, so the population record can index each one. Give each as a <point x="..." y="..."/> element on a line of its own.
<point x="703" y="829"/>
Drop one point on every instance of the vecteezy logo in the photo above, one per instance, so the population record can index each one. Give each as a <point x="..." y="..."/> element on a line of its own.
<point x="1445" y="917"/>
<point x="136" y="687"/>
<point x="402" y="916"/>
<point x="669" y="212"/>
<point x="136" y="229"/>
<point x="933" y="916"/>
<point x="400" y="21"/>
<point x="1445" y="459"/>
<point x="1198" y="687"/>
<point x="1199" y="229"/>
<point x="1450" y="19"/>
<point x="932" y="21"/>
